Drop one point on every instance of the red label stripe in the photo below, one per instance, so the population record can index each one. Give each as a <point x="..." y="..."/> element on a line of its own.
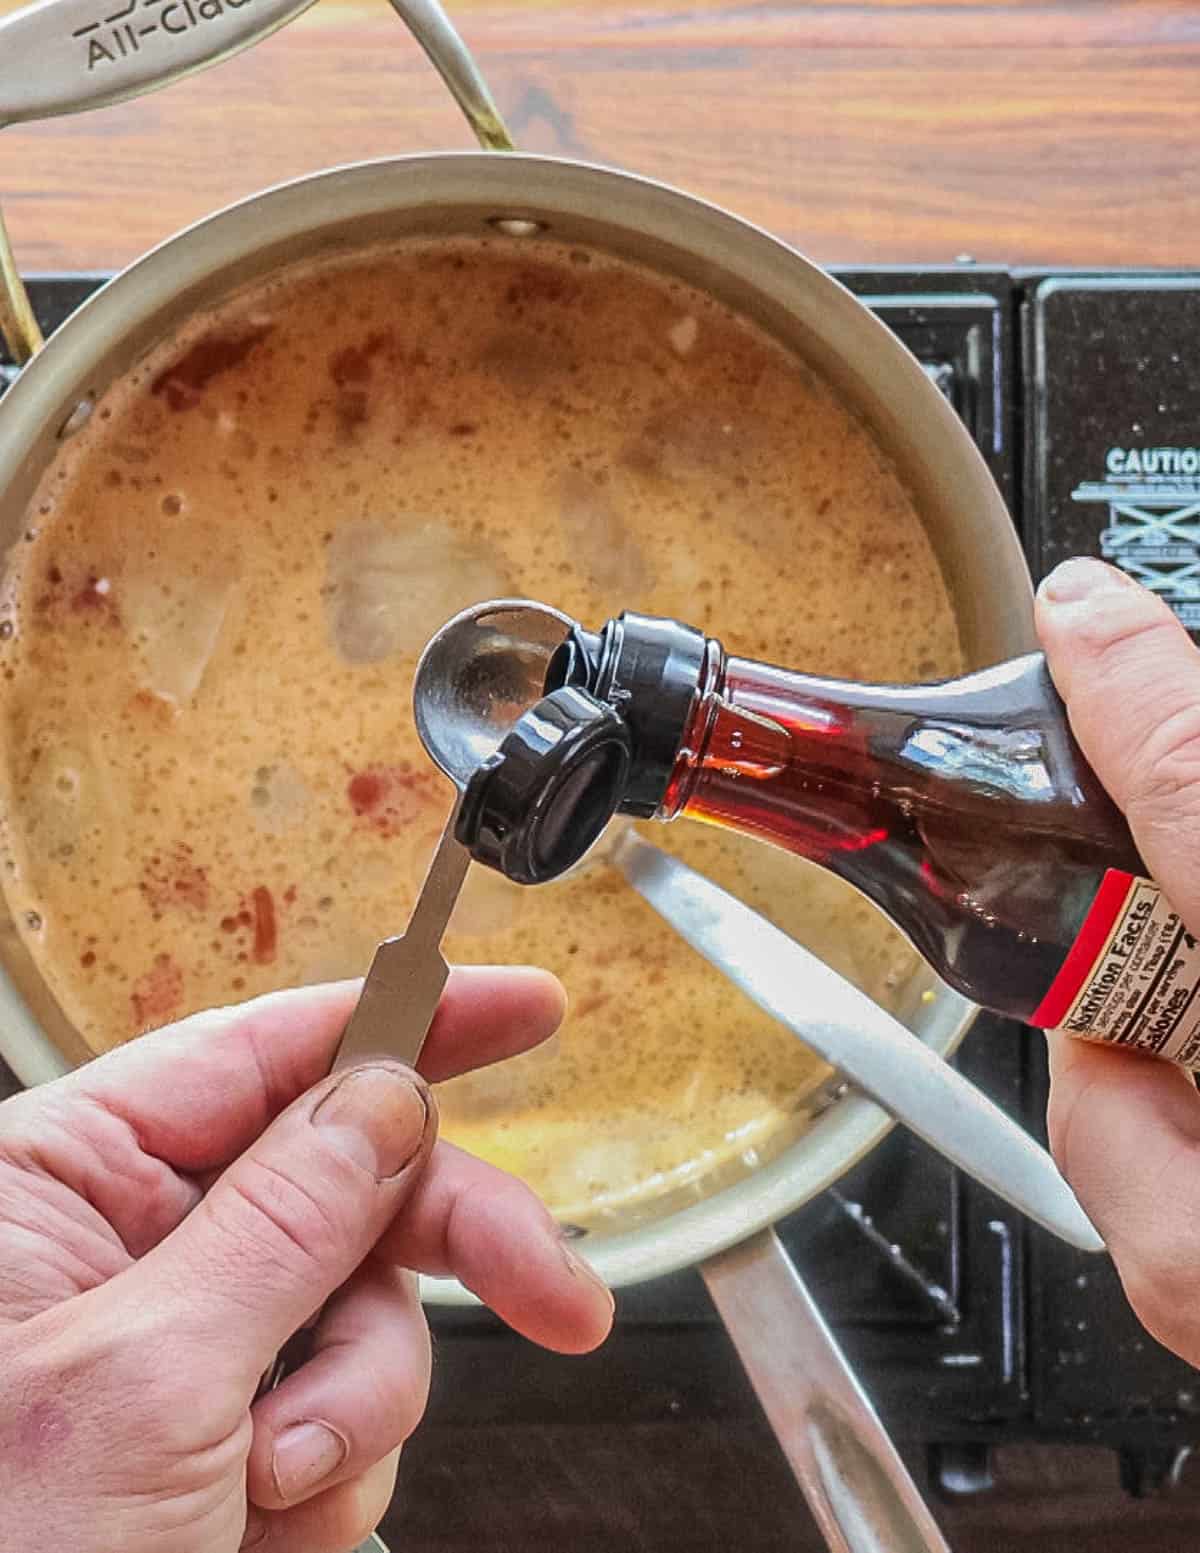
<point x="1103" y="915"/>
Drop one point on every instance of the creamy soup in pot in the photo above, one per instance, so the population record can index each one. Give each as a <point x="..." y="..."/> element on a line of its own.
<point x="210" y="779"/>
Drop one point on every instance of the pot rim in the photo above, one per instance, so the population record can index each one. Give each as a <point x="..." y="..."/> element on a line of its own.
<point x="580" y="195"/>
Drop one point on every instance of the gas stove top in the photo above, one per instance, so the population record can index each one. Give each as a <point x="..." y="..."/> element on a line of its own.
<point x="968" y="1326"/>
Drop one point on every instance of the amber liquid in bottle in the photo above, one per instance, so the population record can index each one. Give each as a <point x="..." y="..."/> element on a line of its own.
<point x="964" y="810"/>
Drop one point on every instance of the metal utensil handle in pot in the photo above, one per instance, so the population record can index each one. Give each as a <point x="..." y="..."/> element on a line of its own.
<point x="858" y="1489"/>
<point x="66" y="56"/>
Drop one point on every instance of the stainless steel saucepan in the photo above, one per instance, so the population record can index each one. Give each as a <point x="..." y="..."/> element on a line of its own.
<point x="68" y="55"/>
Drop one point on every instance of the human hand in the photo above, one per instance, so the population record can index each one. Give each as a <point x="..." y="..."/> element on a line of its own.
<point x="171" y="1213"/>
<point x="1125" y="1129"/>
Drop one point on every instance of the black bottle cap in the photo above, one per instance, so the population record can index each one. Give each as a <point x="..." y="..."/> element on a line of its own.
<point x="649" y="670"/>
<point x="534" y="808"/>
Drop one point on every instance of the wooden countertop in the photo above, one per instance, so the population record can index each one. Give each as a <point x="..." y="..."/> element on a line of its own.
<point x="1019" y="131"/>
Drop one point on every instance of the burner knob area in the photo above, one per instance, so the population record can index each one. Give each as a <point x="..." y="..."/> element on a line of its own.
<point x="960" y="1470"/>
<point x="1151" y="1470"/>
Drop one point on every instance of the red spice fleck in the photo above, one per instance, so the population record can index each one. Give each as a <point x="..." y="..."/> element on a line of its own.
<point x="351" y="411"/>
<point x="352" y="364"/>
<point x="540" y="285"/>
<point x="87" y="959"/>
<point x="147" y="701"/>
<point x="265" y="935"/>
<point x="364" y="791"/>
<point x="228" y="924"/>
<point x="87" y="591"/>
<point x="176" y="881"/>
<point x="464" y="428"/>
<point x="244" y="918"/>
<point x="392" y="798"/>
<point x="95" y="595"/>
<point x="157" y="994"/>
<point x="183" y="383"/>
<point x="591" y="1005"/>
<point x="289" y="895"/>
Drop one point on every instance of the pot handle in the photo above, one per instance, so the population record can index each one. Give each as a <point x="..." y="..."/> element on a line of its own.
<point x="858" y="1489"/>
<point x="65" y="56"/>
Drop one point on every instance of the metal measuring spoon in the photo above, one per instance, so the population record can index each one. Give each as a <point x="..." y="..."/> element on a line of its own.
<point x="476" y="678"/>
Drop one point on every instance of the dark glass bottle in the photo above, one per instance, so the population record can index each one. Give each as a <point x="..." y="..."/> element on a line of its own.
<point x="965" y="810"/>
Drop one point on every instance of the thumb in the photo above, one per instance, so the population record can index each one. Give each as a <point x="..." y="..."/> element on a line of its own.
<point x="1130" y="677"/>
<point x="289" y="1221"/>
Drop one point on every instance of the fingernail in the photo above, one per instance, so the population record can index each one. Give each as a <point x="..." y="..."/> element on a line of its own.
<point x="377" y="1117"/>
<point x="578" y="1268"/>
<point x="1080" y="578"/>
<point x="305" y="1455"/>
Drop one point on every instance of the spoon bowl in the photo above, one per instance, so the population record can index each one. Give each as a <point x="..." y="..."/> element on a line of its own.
<point x="478" y="675"/>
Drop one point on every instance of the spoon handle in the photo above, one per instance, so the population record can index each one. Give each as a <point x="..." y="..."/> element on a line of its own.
<point x="863" y="1041"/>
<point x="395" y="1009"/>
<point x="404" y="984"/>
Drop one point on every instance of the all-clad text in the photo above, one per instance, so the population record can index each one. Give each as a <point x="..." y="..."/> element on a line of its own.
<point x="127" y="31"/>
